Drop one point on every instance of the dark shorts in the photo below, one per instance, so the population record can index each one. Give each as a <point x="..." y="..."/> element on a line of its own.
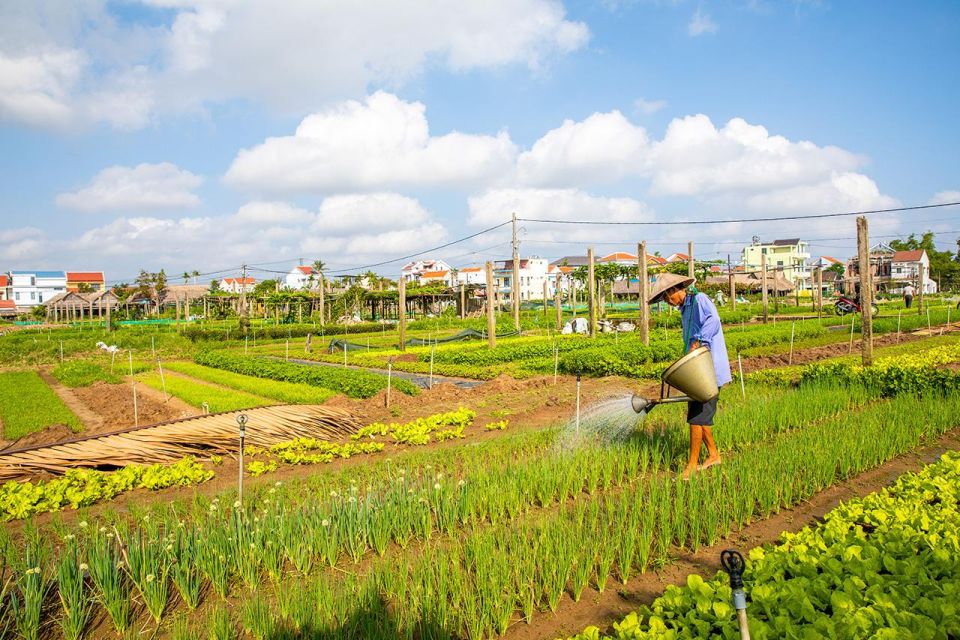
<point x="701" y="413"/>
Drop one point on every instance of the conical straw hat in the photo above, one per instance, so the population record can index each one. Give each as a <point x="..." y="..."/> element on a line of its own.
<point x="666" y="281"/>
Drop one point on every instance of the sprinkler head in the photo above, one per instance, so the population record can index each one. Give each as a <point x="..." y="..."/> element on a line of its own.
<point x="640" y="405"/>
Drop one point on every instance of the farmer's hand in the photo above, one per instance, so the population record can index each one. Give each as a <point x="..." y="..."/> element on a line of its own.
<point x="693" y="345"/>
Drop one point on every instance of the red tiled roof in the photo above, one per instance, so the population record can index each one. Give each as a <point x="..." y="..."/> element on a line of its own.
<point x="831" y="259"/>
<point x="680" y="256"/>
<point x="565" y="269"/>
<point x="306" y="270"/>
<point x="8" y="304"/>
<point x="470" y="270"/>
<point x="434" y="274"/>
<point x="4" y="281"/>
<point x="908" y="256"/>
<point x="619" y="255"/>
<point x="240" y="280"/>
<point x="84" y="276"/>
<point x="658" y="259"/>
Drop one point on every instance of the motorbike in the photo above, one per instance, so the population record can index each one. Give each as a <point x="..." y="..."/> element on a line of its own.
<point x="846" y="305"/>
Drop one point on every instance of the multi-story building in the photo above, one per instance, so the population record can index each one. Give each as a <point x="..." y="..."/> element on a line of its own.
<point x="238" y="285"/>
<point x="471" y="275"/>
<point x="88" y="281"/>
<point x="787" y="258"/>
<point x="534" y="271"/>
<point x="412" y="271"/>
<point x="31" y="288"/>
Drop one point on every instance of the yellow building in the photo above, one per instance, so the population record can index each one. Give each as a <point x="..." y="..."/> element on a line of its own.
<point x="787" y="257"/>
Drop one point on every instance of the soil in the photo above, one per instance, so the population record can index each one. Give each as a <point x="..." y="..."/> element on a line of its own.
<point x="815" y="354"/>
<point x="618" y="600"/>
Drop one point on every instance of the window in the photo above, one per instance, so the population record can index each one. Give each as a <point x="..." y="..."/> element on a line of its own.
<point x="17" y="295"/>
<point x="763" y="250"/>
<point x="33" y="295"/>
<point x="33" y="281"/>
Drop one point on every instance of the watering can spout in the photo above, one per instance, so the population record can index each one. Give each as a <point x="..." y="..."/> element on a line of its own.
<point x="640" y="404"/>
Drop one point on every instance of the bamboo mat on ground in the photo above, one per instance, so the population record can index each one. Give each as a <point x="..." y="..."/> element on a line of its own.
<point x="170" y="441"/>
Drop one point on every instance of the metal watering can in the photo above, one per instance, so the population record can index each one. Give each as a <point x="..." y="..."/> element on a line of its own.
<point x="692" y="375"/>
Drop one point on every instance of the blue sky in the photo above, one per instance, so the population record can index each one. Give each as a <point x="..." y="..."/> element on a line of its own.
<point x="204" y="134"/>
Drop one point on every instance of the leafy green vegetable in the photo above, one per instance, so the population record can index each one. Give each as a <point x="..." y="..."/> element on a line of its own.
<point x="27" y="405"/>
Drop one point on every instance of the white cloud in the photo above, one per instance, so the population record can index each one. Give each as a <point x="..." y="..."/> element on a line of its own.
<point x="344" y="231"/>
<point x="26" y="243"/>
<point x="943" y="197"/>
<point x="648" y="107"/>
<point x="380" y="143"/>
<point x="840" y="192"/>
<point x="70" y="65"/>
<point x="696" y="158"/>
<point x="145" y="186"/>
<point x="700" y="23"/>
<point x="602" y="148"/>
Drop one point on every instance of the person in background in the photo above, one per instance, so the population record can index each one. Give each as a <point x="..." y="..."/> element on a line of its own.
<point x="908" y="293"/>
<point x="701" y="327"/>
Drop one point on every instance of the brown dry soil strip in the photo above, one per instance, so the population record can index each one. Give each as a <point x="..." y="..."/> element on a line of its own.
<point x="816" y="354"/>
<point x="91" y="421"/>
<point x="618" y="600"/>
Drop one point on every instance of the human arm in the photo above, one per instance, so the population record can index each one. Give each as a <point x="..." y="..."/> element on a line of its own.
<point x="706" y="323"/>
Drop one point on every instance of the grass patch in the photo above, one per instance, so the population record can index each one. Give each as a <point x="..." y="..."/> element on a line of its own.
<point x="195" y="393"/>
<point x="289" y="392"/>
<point x="83" y="373"/>
<point x="28" y="405"/>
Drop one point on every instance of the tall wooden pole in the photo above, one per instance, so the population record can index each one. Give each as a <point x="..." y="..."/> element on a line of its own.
<point x="545" y="297"/>
<point x="402" y="311"/>
<point x="690" y="269"/>
<point x="557" y="304"/>
<point x="515" y="291"/>
<point x="921" y="278"/>
<point x="733" y="284"/>
<point x="491" y="318"/>
<point x="763" y="283"/>
<point x="815" y="288"/>
<point x="644" y="279"/>
<point x="591" y="294"/>
<point x="463" y="301"/>
<point x="322" y="300"/>
<point x="866" y="292"/>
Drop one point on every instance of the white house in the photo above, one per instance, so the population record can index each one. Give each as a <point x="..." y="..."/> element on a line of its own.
<point x="443" y="276"/>
<point x="534" y="272"/>
<point x="905" y="268"/>
<point x="30" y="288"/>
<point x="412" y="271"/>
<point x="301" y="277"/>
<point x="238" y="285"/>
<point x="472" y="275"/>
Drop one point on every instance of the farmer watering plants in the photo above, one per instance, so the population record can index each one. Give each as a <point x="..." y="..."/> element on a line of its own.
<point x="701" y="327"/>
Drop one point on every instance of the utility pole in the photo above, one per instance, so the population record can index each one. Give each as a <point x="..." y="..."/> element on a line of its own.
<point x="244" y="316"/>
<point x="591" y="294"/>
<point x="515" y="295"/>
<point x="866" y="292"/>
<point x="463" y="301"/>
<point x="491" y="319"/>
<point x="690" y="269"/>
<point x="545" y="298"/>
<point x="557" y="304"/>
<point x="402" y="311"/>
<point x="733" y="285"/>
<point x="322" y="300"/>
<point x="763" y="283"/>
<point x="644" y="280"/>
<point x="920" y="278"/>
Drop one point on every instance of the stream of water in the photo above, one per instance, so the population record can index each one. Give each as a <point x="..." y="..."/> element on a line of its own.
<point x="607" y="421"/>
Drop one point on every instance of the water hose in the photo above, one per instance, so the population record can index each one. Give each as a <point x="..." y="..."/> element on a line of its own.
<point x="733" y="563"/>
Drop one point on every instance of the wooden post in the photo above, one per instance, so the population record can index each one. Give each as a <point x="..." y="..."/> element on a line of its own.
<point x="591" y="294"/>
<point x="545" y="297"/>
<point x="866" y="292"/>
<point x="814" y="288"/>
<point x="463" y="301"/>
<point x="322" y="301"/>
<point x="109" y="307"/>
<point x="515" y="290"/>
<point x="733" y="285"/>
<point x="763" y="283"/>
<point x="557" y="305"/>
<point x="402" y="311"/>
<point x="177" y="303"/>
<point x="920" y="279"/>
<point x="690" y="269"/>
<point x="644" y="280"/>
<point x="491" y="318"/>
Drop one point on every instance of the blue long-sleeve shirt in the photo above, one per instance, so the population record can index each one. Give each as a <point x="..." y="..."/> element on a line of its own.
<point x="701" y="323"/>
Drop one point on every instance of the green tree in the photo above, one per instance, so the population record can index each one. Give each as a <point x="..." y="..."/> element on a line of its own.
<point x="265" y="288"/>
<point x="214" y="286"/>
<point x="838" y="268"/>
<point x="84" y="287"/>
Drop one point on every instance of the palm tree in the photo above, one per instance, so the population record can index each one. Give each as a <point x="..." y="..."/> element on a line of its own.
<point x="186" y="277"/>
<point x="195" y="275"/>
<point x="318" y="266"/>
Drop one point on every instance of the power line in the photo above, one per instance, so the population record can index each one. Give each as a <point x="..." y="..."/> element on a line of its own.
<point x="733" y="220"/>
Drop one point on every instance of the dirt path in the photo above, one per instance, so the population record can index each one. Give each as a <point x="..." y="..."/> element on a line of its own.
<point x="92" y="422"/>
<point x="618" y="600"/>
<point x="815" y="354"/>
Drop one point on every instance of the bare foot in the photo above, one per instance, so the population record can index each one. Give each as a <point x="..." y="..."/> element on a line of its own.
<point x="685" y="474"/>
<point x="709" y="462"/>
